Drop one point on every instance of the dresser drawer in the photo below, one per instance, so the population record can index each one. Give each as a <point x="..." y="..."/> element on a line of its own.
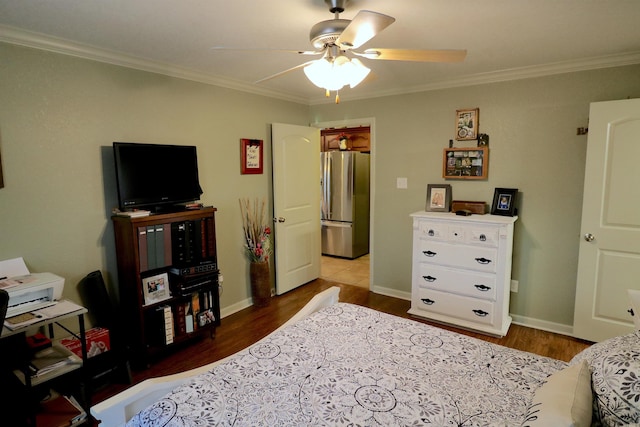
<point x="470" y="257"/>
<point x="432" y="230"/>
<point x="458" y="233"/>
<point x="466" y="308"/>
<point x="477" y="285"/>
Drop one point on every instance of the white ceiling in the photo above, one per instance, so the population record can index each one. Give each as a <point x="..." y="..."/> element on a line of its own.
<point x="505" y="39"/>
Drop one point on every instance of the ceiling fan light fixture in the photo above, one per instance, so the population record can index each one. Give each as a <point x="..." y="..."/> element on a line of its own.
<point x="332" y="75"/>
<point x="322" y="74"/>
<point x="358" y="73"/>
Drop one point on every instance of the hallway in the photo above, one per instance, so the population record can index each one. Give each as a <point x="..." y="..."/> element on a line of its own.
<point x="349" y="271"/>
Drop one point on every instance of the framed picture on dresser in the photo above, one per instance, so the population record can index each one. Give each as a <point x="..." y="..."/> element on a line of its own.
<point x="438" y="198"/>
<point x="504" y="201"/>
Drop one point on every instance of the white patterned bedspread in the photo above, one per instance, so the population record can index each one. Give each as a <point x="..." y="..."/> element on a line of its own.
<point x="350" y="365"/>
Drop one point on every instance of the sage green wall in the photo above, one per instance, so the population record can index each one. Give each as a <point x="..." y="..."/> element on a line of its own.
<point x="533" y="147"/>
<point x="60" y="114"/>
<point x="58" y="118"/>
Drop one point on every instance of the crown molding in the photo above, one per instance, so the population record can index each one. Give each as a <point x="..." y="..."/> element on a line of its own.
<point x="40" y="41"/>
<point x="585" y="64"/>
<point x="52" y="44"/>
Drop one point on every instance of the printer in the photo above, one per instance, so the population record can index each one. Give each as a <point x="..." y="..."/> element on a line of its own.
<point x="32" y="292"/>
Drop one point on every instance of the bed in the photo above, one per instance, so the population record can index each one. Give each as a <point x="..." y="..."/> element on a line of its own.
<point x="341" y="364"/>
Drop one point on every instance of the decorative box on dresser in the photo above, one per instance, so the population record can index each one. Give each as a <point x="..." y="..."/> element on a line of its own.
<point x="461" y="273"/>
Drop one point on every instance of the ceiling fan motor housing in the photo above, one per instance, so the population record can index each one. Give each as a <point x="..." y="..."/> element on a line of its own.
<point x="325" y="33"/>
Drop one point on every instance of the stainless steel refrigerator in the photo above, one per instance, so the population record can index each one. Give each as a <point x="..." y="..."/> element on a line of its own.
<point x="345" y="203"/>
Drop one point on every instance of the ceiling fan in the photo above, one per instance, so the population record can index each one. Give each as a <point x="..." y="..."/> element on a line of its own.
<point x="337" y="40"/>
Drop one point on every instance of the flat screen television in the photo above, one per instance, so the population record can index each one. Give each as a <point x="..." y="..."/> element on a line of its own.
<point x="155" y="177"/>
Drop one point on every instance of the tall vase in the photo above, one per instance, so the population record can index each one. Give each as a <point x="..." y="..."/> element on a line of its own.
<point x="260" y="283"/>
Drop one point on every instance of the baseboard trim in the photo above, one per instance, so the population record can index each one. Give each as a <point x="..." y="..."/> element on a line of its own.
<point x="543" y="325"/>
<point x="391" y="292"/>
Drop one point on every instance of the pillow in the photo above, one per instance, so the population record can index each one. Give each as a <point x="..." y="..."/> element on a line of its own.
<point x="615" y="379"/>
<point x="565" y="400"/>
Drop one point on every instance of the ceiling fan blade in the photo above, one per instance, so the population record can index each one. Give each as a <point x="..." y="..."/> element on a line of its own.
<point x="417" y="55"/>
<point x="273" y="76"/>
<point x="237" y="49"/>
<point x="363" y="28"/>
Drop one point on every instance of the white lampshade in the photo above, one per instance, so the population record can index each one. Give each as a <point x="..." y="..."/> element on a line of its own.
<point x="321" y="73"/>
<point x="358" y="73"/>
<point x="337" y="73"/>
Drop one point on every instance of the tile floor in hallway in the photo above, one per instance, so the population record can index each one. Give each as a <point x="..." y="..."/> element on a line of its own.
<point x="348" y="271"/>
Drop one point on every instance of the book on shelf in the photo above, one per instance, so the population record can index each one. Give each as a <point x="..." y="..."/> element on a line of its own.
<point x="59" y="410"/>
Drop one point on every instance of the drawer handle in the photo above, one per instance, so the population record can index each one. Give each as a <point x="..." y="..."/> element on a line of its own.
<point x="483" y="238"/>
<point x="483" y="288"/>
<point x="483" y="260"/>
<point x="427" y="301"/>
<point x="429" y="278"/>
<point x="431" y="233"/>
<point x="480" y="313"/>
<point x="429" y="253"/>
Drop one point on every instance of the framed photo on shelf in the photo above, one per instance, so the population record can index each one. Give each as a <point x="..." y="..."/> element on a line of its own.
<point x="438" y="198"/>
<point x="156" y="288"/>
<point x="251" y="156"/>
<point x="467" y="124"/>
<point x="465" y="163"/>
<point x="504" y="201"/>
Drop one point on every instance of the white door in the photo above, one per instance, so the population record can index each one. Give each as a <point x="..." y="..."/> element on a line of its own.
<point x="609" y="260"/>
<point x="296" y="204"/>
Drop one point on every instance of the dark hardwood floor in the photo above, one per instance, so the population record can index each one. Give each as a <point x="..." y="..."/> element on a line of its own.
<point x="247" y="326"/>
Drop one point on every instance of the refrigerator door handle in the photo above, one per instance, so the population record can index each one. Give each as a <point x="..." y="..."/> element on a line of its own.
<point x="326" y="181"/>
<point x="336" y="224"/>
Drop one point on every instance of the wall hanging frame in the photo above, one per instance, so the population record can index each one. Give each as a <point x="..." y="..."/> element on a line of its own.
<point x="504" y="201"/>
<point x="438" y="198"/>
<point x="465" y="163"/>
<point x="251" y="156"/>
<point x="467" y="122"/>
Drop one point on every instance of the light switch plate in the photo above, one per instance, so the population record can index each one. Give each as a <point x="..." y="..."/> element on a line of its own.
<point x="401" y="183"/>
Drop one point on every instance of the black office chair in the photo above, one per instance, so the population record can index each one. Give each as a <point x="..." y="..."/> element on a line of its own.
<point x="94" y="293"/>
<point x="4" y="303"/>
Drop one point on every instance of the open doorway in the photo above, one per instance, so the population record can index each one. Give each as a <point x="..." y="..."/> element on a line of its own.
<point x="349" y="271"/>
<point x="346" y="251"/>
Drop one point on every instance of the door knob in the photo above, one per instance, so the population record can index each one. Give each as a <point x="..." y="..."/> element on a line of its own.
<point x="280" y="219"/>
<point x="589" y="237"/>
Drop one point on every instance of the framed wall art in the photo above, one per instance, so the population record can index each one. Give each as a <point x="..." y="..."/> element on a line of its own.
<point x="465" y="163"/>
<point x="467" y="124"/>
<point x="438" y="198"/>
<point x="251" y="156"/>
<point x="504" y="201"/>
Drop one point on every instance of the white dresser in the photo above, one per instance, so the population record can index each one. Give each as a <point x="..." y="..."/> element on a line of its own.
<point x="461" y="271"/>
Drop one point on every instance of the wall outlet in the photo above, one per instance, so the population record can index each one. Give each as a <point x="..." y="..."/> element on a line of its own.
<point x="401" y="183"/>
<point x="514" y="286"/>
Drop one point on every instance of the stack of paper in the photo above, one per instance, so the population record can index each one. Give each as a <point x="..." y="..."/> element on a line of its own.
<point x="50" y="359"/>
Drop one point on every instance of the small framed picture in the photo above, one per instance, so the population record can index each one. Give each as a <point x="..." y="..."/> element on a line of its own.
<point x="251" y="156"/>
<point x="467" y="124"/>
<point x="156" y="288"/>
<point x="504" y="201"/>
<point x="438" y="198"/>
<point x="205" y="317"/>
